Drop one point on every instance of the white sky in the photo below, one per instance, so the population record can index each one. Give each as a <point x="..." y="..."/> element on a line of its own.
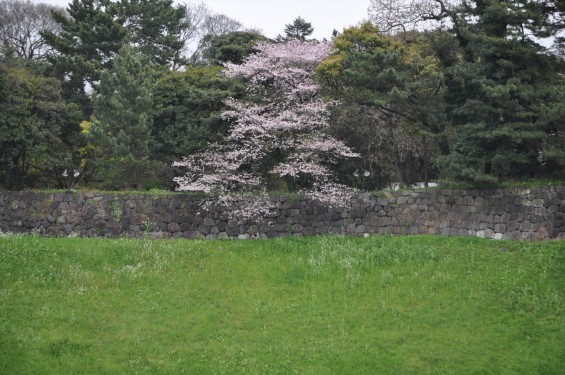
<point x="270" y="16"/>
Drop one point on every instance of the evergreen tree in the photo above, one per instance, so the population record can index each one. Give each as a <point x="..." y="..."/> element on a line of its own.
<point x="233" y="47"/>
<point x="95" y="30"/>
<point x="91" y="34"/>
<point x="156" y="27"/>
<point x="502" y="95"/>
<point x="391" y="94"/>
<point x="298" y="29"/>
<point x="36" y="128"/>
<point x="122" y="122"/>
<point x="188" y="111"/>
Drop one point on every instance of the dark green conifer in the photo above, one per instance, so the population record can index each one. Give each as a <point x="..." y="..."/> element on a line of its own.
<point x="502" y="95"/>
<point x="122" y="122"/>
<point x="298" y="29"/>
<point x="92" y="33"/>
<point x="233" y="47"/>
<point x="155" y="27"/>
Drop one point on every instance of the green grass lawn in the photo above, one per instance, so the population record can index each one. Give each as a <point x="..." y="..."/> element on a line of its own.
<point x="325" y="305"/>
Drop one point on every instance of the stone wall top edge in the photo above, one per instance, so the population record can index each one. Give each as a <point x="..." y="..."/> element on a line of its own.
<point x="89" y="194"/>
<point x="6" y="194"/>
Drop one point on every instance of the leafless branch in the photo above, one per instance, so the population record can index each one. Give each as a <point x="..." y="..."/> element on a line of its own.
<point x="20" y="26"/>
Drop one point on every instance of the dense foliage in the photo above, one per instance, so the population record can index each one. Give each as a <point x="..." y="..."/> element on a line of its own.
<point x="391" y="95"/>
<point x="503" y="97"/>
<point x="467" y="91"/>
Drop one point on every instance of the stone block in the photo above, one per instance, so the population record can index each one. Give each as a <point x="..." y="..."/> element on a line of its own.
<point x="360" y="229"/>
<point x="385" y="230"/>
<point x="67" y="229"/>
<point x="537" y="203"/>
<point x="321" y="230"/>
<point x="173" y="227"/>
<point x="358" y="213"/>
<point x="469" y="201"/>
<point x="512" y="225"/>
<point x="515" y="235"/>
<point x="402" y="200"/>
<point x="100" y="224"/>
<point x="334" y="230"/>
<point x="193" y="234"/>
<point x="297" y="228"/>
<point x="350" y="228"/>
<point x="500" y="228"/>
<point x="281" y="227"/>
<point x="308" y="231"/>
<point x="540" y="211"/>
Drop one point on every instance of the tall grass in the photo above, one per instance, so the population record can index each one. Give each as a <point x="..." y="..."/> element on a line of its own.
<point x="325" y="305"/>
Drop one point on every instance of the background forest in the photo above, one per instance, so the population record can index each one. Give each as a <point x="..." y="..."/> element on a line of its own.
<point x="116" y="94"/>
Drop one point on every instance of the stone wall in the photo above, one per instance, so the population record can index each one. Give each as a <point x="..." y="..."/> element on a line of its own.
<point x="513" y="213"/>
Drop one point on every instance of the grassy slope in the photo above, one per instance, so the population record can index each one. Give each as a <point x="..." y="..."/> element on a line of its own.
<point x="323" y="305"/>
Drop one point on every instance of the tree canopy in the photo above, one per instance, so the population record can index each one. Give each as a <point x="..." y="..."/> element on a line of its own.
<point x="298" y="29"/>
<point x="233" y="47"/>
<point x="470" y="92"/>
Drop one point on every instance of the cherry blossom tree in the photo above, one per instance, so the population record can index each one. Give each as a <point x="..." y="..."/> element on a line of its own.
<point x="278" y="132"/>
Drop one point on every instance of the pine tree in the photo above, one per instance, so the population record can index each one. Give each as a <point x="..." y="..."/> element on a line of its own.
<point x="502" y="94"/>
<point x="155" y="27"/>
<point x="298" y="29"/>
<point x="92" y="33"/>
<point x="233" y="47"/>
<point x="122" y="121"/>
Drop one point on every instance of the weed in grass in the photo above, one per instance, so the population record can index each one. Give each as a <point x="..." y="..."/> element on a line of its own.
<point x="148" y="228"/>
<point x="116" y="210"/>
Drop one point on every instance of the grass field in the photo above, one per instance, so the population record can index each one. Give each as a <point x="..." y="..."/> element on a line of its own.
<point x="325" y="305"/>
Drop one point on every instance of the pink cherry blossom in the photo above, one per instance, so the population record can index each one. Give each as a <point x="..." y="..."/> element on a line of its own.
<point x="284" y="115"/>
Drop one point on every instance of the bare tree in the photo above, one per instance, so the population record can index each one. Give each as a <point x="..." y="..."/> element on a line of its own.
<point x="195" y="17"/>
<point x="201" y="25"/>
<point x="220" y="24"/>
<point x="20" y="26"/>
<point x="409" y="15"/>
<point x="392" y="16"/>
